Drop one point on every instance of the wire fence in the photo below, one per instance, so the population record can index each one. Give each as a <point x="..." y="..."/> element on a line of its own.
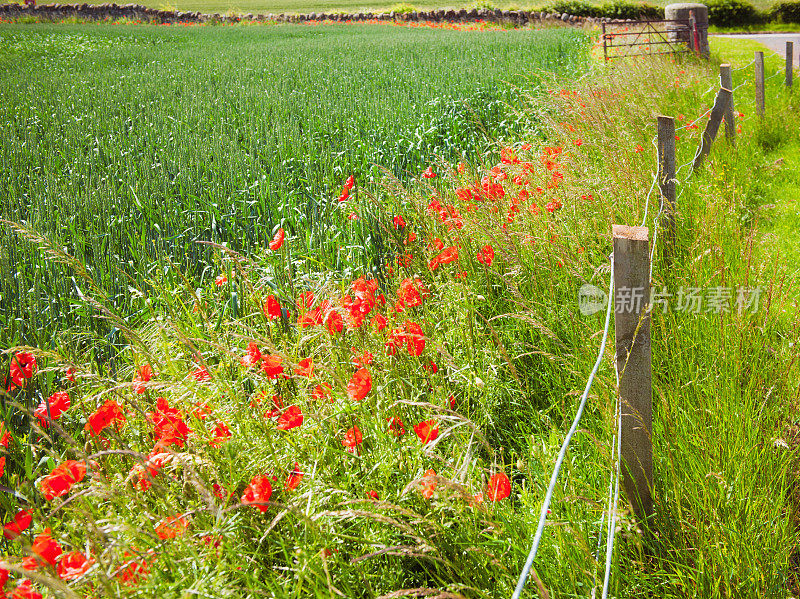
<point x="608" y="520"/>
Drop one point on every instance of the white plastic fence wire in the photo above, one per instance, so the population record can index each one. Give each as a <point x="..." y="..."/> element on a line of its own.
<point x="537" y="538"/>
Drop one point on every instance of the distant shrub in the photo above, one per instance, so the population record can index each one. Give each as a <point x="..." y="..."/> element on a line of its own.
<point x="403" y="8"/>
<point x="617" y="9"/>
<point x="732" y="13"/>
<point x="786" y="12"/>
<point x="622" y="9"/>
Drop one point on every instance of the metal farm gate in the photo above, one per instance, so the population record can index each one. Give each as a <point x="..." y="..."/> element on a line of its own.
<point x="625" y="39"/>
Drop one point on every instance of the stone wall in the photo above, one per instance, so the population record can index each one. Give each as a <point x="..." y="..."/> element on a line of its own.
<point x="136" y="12"/>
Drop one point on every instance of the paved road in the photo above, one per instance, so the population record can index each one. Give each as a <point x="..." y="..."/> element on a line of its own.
<point x="774" y="41"/>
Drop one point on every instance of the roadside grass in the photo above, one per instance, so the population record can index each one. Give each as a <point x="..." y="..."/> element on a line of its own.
<point x="511" y="349"/>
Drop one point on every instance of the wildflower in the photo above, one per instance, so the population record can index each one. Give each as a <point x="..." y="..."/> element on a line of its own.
<point x="399" y="223"/>
<point x="553" y="205"/>
<point x="22" y="520"/>
<point x="577" y="142"/>
<point x="639" y="148"/>
<point x="334" y="322"/>
<point x="351" y="181"/>
<point x="305" y="367"/>
<point x="277" y="241"/>
<point x="170" y="429"/>
<point x="322" y="391"/>
<point x="277" y="406"/>
<point x="272" y="366"/>
<point x="24" y="589"/>
<point x="363" y="360"/>
<point x="143" y="375"/>
<point x="462" y="167"/>
<point x="221" y="434"/>
<point x="428" y="173"/>
<point x="171" y="527"/>
<point x="62" y="478"/>
<point x="23" y="367"/>
<point x="343" y="197"/>
<point x="106" y="415"/>
<point x="258" y="492"/>
<point x="447" y="255"/>
<point x="272" y="308"/>
<point x="498" y="487"/>
<point x="428" y="483"/>
<point x="352" y="439"/>
<point x="73" y="565"/>
<point x="396" y="427"/>
<point x="45" y="551"/>
<point x="133" y="570"/>
<point x="360" y="385"/>
<point x="221" y="280"/>
<point x="431" y="367"/>
<point x="59" y="403"/>
<point x="291" y="418"/>
<point x="427" y="431"/>
<point x="412" y="292"/>
<point x="201" y="374"/>
<point x="373" y="495"/>
<point x="252" y="357"/>
<point x="486" y="255"/>
<point x="380" y="322"/>
<point x="294" y="478"/>
<point x="415" y="338"/>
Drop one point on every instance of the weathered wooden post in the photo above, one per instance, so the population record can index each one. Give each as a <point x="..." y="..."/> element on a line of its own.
<point x="666" y="175"/>
<point x="789" y="63"/>
<point x="726" y="81"/>
<point x="721" y="103"/>
<point x="632" y="325"/>
<point x="759" y="84"/>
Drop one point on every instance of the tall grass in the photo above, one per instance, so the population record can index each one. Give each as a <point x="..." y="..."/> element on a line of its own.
<point x="128" y="145"/>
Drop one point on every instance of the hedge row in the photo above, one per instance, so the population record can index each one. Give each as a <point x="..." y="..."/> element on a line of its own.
<point x="723" y="13"/>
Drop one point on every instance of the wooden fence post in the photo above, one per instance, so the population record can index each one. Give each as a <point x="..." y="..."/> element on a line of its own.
<point x="721" y="103"/>
<point x="789" y="63"/>
<point x="726" y="81"/>
<point x="759" y="84"/>
<point x="666" y="175"/>
<point x="632" y="326"/>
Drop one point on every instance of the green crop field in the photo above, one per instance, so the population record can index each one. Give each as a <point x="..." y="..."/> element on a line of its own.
<point x="126" y="144"/>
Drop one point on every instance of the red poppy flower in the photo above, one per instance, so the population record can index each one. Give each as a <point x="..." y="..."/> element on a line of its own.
<point x="311" y="318"/>
<point x="322" y="391"/>
<point x="427" y="431"/>
<point x="360" y="385"/>
<point x="2" y="466"/>
<point x="412" y="292"/>
<point x="373" y="495"/>
<point x="45" y="548"/>
<point x="221" y="280"/>
<point x="6" y="438"/>
<point x="24" y="590"/>
<point x="486" y="255"/>
<point x="62" y="478"/>
<point x="294" y="478"/>
<point x="201" y="374"/>
<point x="431" y="367"/>
<point x="553" y="205"/>
<point x="277" y="406"/>
<point x="305" y="367"/>
<point x="144" y="374"/>
<point x="428" y="483"/>
<point x="106" y="415"/>
<point x="379" y="322"/>
<point x="73" y="565"/>
<point x="259" y="490"/>
<point x="352" y="439"/>
<point x="59" y="403"/>
<point x="133" y="570"/>
<point x="221" y="434"/>
<point x="169" y="427"/>
<point x="498" y="487"/>
<point x="3" y="577"/>
<point x="23" y="366"/>
<point x="272" y="308"/>
<point x="253" y="355"/>
<point x="396" y="427"/>
<point x="428" y="173"/>
<point x="277" y="241"/>
<point x="272" y="366"/>
<point x="291" y="418"/>
<point x="345" y="195"/>
<point x="22" y="520"/>
<point x="399" y="223"/>
<point x="363" y="360"/>
<point x="334" y="322"/>
<point x="351" y="181"/>
<point x="171" y="527"/>
<point x="415" y="338"/>
<point x="447" y="255"/>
